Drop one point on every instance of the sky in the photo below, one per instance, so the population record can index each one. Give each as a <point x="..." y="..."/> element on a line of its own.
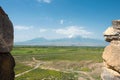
<point x="55" y="19"/>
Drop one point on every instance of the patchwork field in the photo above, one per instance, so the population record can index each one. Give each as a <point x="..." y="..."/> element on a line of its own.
<point x="58" y="63"/>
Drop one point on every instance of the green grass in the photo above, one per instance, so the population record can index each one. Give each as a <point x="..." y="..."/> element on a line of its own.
<point x="19" y="68"/>
<point x="72" y="54"/>
<point x="39" y="74"/>
<point x="85" y="69"/>
<point x="58" y="53"/>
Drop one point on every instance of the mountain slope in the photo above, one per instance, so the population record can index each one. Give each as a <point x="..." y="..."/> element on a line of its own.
<point x="78" y="41"/>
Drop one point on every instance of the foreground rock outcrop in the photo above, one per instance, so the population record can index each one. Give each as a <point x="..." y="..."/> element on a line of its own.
<point x="111" y="54"/>
<point x="6" y="32"/>
<point x="7" y="62"/>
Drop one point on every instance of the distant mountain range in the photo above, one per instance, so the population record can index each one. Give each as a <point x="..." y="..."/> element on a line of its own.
<point x="78" y="41"/>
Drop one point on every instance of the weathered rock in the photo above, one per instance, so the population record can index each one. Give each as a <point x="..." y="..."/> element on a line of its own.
<point x="7" y="65"/>
<point x="7" y="62"/>
<point x="110" y="31"/>
<point x="6" y="32"/>
<point x="111" y="34"/>
<point x="111" y="54"/>
<point x="109" y="74"/>
<point x="116" y="24"/>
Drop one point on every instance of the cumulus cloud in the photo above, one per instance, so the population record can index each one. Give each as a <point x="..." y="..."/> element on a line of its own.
<point x="18" y="27"/>
<point x="73" y="31"/>
<point x="45" y="1"/>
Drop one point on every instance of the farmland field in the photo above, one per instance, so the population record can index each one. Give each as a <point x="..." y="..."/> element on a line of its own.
<point x="57" y="63"/>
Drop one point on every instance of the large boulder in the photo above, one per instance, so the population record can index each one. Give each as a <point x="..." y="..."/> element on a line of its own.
<point x="111" y="56"/>
<point x="6" y="32"/>
<point x="7" y="62"/>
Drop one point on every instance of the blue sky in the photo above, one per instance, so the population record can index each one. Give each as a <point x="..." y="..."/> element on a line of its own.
<point x="54" y="19"/>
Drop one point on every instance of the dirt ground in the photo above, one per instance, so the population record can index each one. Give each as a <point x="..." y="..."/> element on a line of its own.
<point x="87" y="70"/>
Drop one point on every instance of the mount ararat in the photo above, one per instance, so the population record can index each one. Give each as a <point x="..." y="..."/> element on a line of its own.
<point x="77" y="41"/>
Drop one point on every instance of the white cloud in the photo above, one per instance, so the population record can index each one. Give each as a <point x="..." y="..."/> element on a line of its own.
<point x="45" y="1"/>
<point x="73" y="31"/>
<point x="23" y="33"/>
<point x="18" y="27"/>
<point x="43" y="30"/>
<point x="61" y="21"/>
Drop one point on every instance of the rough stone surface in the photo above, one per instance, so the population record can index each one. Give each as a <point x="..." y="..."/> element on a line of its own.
<point x="110" y="31"/>
<point x="111" y="54"/>
<point x="7" y="62"/>
<point x="6" y="32"/>
<point x="116" y="24"/>
<point x="111" y="34"/>
<point x="7" y="65"/>
<point x="109" y="74"/>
